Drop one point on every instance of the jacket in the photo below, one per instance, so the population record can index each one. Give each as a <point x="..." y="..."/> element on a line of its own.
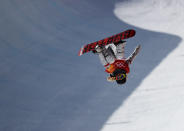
<point x="118" y="64"/>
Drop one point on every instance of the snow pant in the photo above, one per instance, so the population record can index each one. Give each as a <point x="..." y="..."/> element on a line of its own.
<point x="108" y="55"/>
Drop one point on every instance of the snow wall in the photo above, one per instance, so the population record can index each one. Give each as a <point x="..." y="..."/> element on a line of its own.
<point x="44" y="85"/>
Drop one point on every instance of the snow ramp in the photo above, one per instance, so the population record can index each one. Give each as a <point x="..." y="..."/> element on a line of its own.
<point x="44" y="85"/>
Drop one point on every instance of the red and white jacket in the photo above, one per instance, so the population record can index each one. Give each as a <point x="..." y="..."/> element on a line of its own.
<point x="118" y="64"/>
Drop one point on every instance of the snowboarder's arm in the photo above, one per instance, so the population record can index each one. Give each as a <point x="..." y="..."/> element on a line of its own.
<point x="133" y="55"/>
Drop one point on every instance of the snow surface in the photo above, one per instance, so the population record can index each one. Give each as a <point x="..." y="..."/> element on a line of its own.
<point x="45" y="86"/>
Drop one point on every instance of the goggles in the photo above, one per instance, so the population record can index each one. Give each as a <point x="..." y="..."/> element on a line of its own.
<point x="120" y="76"/>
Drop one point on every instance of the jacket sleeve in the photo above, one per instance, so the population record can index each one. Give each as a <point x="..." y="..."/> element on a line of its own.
<point x="130" y="59"/>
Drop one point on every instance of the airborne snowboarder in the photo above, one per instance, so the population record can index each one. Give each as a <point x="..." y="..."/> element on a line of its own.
<point x="115" y="62"/>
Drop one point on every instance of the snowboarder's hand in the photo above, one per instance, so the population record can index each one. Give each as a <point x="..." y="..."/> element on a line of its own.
<point x="137" y="49"/>
<point x="111" y="79"/>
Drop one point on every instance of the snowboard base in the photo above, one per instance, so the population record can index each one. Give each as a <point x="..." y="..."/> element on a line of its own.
<point x="112" y="39"/>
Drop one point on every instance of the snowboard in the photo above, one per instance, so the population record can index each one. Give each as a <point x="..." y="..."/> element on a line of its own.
<point x="112" y="39"/>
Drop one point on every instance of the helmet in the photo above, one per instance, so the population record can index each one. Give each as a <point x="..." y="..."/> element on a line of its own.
<point x="120" y="75"/>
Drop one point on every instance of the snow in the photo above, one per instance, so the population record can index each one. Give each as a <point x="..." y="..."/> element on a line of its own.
<point x="45" y="85"/>
<point x="157" y="104"/>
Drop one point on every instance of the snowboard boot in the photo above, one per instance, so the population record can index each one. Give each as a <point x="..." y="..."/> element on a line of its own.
<point x="97" y="49"/>
<point x="119" y="42"/>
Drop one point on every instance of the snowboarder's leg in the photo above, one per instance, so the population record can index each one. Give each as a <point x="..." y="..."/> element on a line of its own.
<point x="120" y="49"/>
<point x="106" y="55"/>
<point x="110" y="56"/>
<point x="102" y="59"/>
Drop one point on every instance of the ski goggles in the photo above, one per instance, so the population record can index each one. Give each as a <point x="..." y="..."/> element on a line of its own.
<point x="120" y="76"/>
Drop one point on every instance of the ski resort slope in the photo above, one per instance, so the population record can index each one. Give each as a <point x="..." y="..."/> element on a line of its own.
<point x="45" y="85"/>
<point x="158" y="102"/>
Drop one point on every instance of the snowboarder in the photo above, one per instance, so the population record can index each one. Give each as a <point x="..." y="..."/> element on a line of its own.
<point x="115" y="62"/>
